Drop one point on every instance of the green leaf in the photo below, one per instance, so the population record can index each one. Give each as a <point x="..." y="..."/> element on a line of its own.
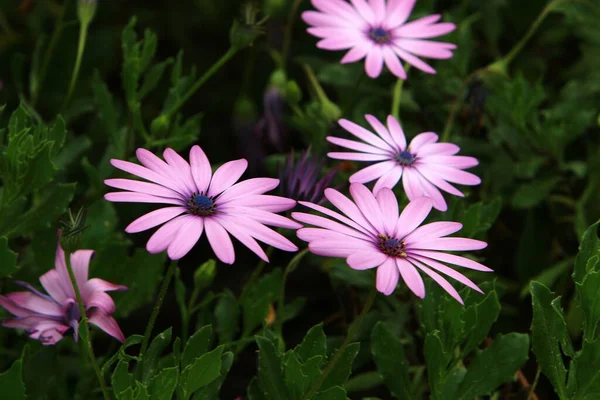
<point x="152" y="77"/>
<point x="11" y="382"/>
<point x="584" y="377"/>
<point x="548" y="335"/>
<point x="196" y="346"/>
<point x="589" y="302"/>
<point x="121" y="379"/>
<point x="589" y="247"/>
<point x="549" y="275"/>
<point x="203" y="371"/>
<point x="334" y="393"/>
<point x="388" y="354"/>
<point x="437" y="363"/>
<point x="530" y="194"/>
<point x="479" y="318"/>
<point x="254" y="391"/>
<point x="299" y="376"/>
<point x="163" y="384"/>
<point x="313" y="344"/>
<point x="107" y="113"/>
<point x="495" y="365"/>
<point x="270" y="372"/>
<point x="152" y="355"/>
<point x="211" y="391"/>
<point x="8" y="259"/>
<point x="339" y="374"/>
<point x="227" y="314"/>
<point x="259" y="296"/>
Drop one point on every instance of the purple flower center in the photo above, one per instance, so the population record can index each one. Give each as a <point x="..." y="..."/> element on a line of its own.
<point x="391" y="246"/>
<point x="380" y="35"/>
<point x="202" y="205"/>
<point x="405" y="158"/>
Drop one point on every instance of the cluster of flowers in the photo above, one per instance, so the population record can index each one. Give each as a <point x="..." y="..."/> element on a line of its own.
<point x="369" y="230"/>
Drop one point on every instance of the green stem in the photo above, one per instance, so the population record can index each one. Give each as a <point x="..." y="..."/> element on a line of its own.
<point x="215" y="67"/>
<point x="80" y="49"/>
<point x="456" y="104"/>
<point x="397" y="96"/>
<point x="156" y="310"/>
<point x="351" y="333"/>
<point x="87" y="342"/>
<point x="256" y="273"/>
<point x="321" y="95"/>
<point x="287" y="38"/>
<point x="281" y="301"/>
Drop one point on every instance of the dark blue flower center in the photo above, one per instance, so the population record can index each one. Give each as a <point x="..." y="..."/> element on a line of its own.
<point x="201" y="205"/>
<point x="380" y="35"/>
<point x="405" y="158"/>
<point x="391" y="246"/>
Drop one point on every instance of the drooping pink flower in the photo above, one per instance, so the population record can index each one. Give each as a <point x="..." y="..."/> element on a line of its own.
<point x="378" y="31"/>
<point x="371" y="233"/>
<point x="202" y="201"/>
<point x="48" y="317"/>
<point x="425" y="165"/>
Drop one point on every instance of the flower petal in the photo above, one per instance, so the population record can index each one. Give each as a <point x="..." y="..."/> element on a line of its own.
<point x="374" y="62"/>
<point x="226" y="176"/>
<point x="452" y="259"/>
<point x="365" y="135"/>
<point x="389" y="209"/>
<point x="432" y="231"/>
<point x="186" y="237"/>
<point x="396" y="132"/>
<point x="440" y="280"/>
<point x="387" y="277"/>
<point x="107" y="324"/>
<point x="420" y="140"/>
<point x="411" y="277"/>
<point x="162" y="238"/>
<point x="368" y="205"/>
<point x="413" y="215"/>
<point x="219" y="241"/>
<point x="241" y="235"/>
<point x="154" y="218"/>
<point x="373" y="172"/>
<point x="201" y="170"/>
<point x="366" y="259"/>
<point x="450" y="244"/>
<point x="358" y="146"/>
<point x="389" y="179"/>
<point x="247" y="188"/>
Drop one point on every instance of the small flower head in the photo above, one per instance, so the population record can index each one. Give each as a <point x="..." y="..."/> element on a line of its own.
<point x="48" y="317"/>
<point x="424" y="165"/>
<point x="86" y="10"/>
<point x="370" y="232"/>
<point x="302" y="179"/>
<point x="202" y="201"/>
<point x="73" y="227"/>
<point x="243" y="33"/>
<point x="378" y="31"/>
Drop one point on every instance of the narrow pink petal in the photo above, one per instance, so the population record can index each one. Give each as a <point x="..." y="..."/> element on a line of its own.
<point x="397" y="133"/>
<point x="454" y="175"/>
<point x="411" y="277"/>
<point x="133" y="197"/>
<point x="437" y="181"/>
<point x="226" y="176"/>
<point x="315" y="234"/>
<point x="420" y="140"/>
<point x="241" y="235"/>
<point x="346" y="206"/>
<point x="142" y="172"/>
<point x="35" y="303"/>
<point x="358" y="52"/>
<point x="414" y="61"/>
<point x="389" y="179"/>
<point x="381" y="130"/>
<point x="411" y="185"/>
<point x="154" y="218"/>
<point x="201" y="170"/>
<point x="60" y="264"/>
<point x="429" y="190"/>
<point x="247" y="188"/>
<point x="338" y="216"/>
<point x="182" y="167"/>
<point x="387" y="277"/>
<point x="447" y="271"/>
<point x="372" y="172"/>
<point x="450" y="244"/>
<point x="364" y="10"/>
<point x="186" y="237"/>
<point x="13" y="308"/>
<point x="80" y="261"/>
<point x="52" y="283"/>
<point x="107" y="324"/>
<point x="261" y="232"/>
<point x="99" y="300"/>
<point x="154" y="163"/>
<point x="358" y="146"/>
<point x="366" y="259"/>
<point x="431" y="149"/>
<point x="389" y="209"/>
<point x="337" y="43"/>
<point x="358" y="156"/>
<point x="322" y="222"/>
<point x="162" y="238"/>
<point x="374" y="62"/>
<point x="452" y="259"/>
<point x="264" y="217"/>
<point x="440" y="280"/>
<point x="263" y="202"/>
<point x="365" y="135"/>
<point x="393" y="63"/>
<point x="398" y="14"/>
<point x="28" y="322"/>
<point x="315" y="18"/>
<point x="432" y="231"/>
<point x="325" y="32"/>
<point x="379" y="9"/>
<point x="412" y="216"/>
<point x="426" y="48"/>
<point x="417" y="30"/>
<point x="337" y="247"/>
<point x="100" y="285"/>
<point x="459" y="162"/>
<point x="338" y="7"/>
<point x="368" y="206"/>
<point x="143" y="187"/>
<point x="219" y="241"/>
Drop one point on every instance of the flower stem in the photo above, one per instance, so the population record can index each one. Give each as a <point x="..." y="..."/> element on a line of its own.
<point x="156" y="310"/>
<point x="83" y="31"/>
<point x="87" y="342"/>
<point x="397" y="95"/>
<point x="215" y="67"/>
<point x="281" y="301"/>
<point x="287" y="38"/>
<point x="351" y="333"/>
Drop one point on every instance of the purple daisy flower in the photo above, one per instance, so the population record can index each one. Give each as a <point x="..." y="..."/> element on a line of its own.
<point x="202" y="201"/>
<point x="425" y="166"/>
<point x="377" y="30"/>
<point x="48" y="317"/>
<point x="371" y="233"/>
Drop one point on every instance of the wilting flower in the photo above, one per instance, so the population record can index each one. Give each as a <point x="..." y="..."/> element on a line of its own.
<point x="378" y="31"/>
<point x="372" y="234"/>
<point x="48" y="317"/>
<point x="424" y="165"/>
<point x="209" y="202"/>
<point x="271" y="129"/>
<point x="300" y="179"/>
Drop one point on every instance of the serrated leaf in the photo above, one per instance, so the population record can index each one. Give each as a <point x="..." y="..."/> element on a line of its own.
<point x="495" y="365"/>
<point x="203" y="371"/>
<point x="11" y="382"/>
<point x="163" y="385"/>
<point x="530" y="194"/>
<point x="437" y="363"/>
<point x="584" y="376"/>
<point x="107" y="113"/>
<point x="270" y="373"/>
<point x="196" y="346"/>
<point x="299" y="376"/>
<point x="479" y="318"/>
<point x="152" y="77"/>
<point x="589" y="247"/>
<point x="121" y="379"/>
<point x="151" y="357"/>
<point x="211" y="391"/>
<point x="339" y="374"/>
<point x="8" y="259"/>
<point x="227" y="314"/>
<point x="388" y="354"/>
<point x="334" y="393"/>
<point x="254" y="391"/>
<point x="259" y="296"/>
<point x="313" y="344"/>
<point x="589" y="302"/>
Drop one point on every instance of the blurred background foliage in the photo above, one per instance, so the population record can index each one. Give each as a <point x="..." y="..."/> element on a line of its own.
<point x="530" y="114"/>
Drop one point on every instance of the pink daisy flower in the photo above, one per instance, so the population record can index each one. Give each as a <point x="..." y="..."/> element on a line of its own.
<point x="202" y="201"/>
<point x="48" y="317"/>
<point x="371" y="233"/>
<point x="425" y="166"/>
<point x="377" y="30"/>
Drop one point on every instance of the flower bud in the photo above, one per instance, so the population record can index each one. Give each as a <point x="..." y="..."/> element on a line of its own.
<point x="73" y="227"/>
<point x="244" y="33"/>
<point x="86" y="10"/>
<point x="160" y="125"/>
<point x="205" y="274"/>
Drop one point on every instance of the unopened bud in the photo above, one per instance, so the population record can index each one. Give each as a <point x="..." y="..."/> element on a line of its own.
<point x="205" y="274"/>
<point x="86" y="10"/>
<point x="73" y="227"/>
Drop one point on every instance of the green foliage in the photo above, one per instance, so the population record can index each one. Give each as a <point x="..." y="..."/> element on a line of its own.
<point x="8" y="259"/>
<point x="11" y="381"/>
<point x="388" y="353"/>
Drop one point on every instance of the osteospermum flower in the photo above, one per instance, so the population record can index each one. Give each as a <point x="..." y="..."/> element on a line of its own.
<point x="425" y="165"/>
<point x="370" y="233"/>
<point x="377" y="30"/>
<point x="202" y="201"/>
<point x="302" y="179"/>
<point x="48" y="317"/>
